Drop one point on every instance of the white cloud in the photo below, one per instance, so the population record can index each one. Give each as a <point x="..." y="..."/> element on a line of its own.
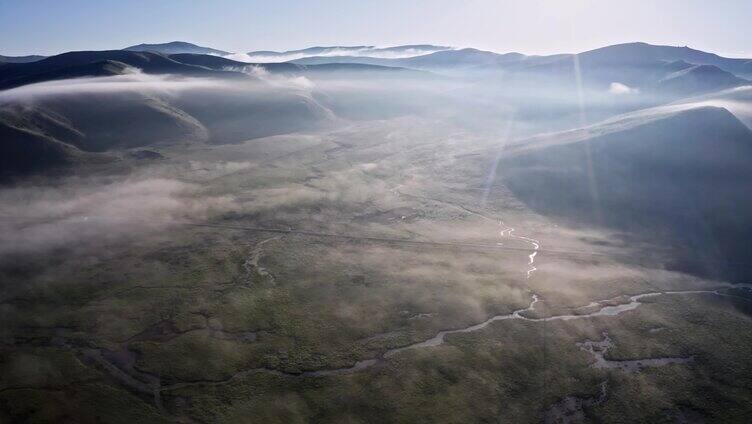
<point x="373" y="52"/>
<point x="277" y="80"/>
<point x="619" y="88"/>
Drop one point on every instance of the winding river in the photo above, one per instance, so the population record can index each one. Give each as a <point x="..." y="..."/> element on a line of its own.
<point x="439" y="338"/>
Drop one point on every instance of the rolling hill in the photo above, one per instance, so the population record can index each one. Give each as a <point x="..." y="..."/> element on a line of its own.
<point x="104" y="120"/>
<point x="699" y="79"/>
<point x="635" y="53"/>
<point x="97" y="63"/>
<point x="63" y="122"/>
<point x="680" y="173"/>
<point x="34" y="140"/>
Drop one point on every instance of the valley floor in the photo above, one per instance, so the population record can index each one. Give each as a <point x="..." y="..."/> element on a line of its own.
<point x="378" y="272"/>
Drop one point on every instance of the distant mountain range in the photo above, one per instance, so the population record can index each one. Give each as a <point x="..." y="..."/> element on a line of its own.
<point x="665" y="70"/>
<point x="20" y="59"/>
<point x="116" y="62"/>
<point x="634" y="53"/>
<point x="646" y="66"/>
<point x="620" y="54"/>
<point x="175" y="47"/>
<point x="432" y="57"/>
<point x="635" y="64"/>
<point x="433" y="60"/>
<point x="83" y="125"/>
<point x="224" y="64"/>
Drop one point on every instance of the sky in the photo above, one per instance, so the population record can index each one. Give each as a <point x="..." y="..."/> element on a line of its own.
<point x="531" y="26"/>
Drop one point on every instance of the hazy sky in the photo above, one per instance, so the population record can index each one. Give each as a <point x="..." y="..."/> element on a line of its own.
<point x="529" y="26"/>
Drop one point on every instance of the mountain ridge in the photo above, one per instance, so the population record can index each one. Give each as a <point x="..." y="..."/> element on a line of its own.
<point x="21" y="59"/>
<point x="17" y="74"/>
<point x="175" y="47"/>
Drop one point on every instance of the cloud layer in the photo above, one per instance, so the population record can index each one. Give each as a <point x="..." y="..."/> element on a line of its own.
<point x="132" y="81"/>
<point x="367" y="51"/>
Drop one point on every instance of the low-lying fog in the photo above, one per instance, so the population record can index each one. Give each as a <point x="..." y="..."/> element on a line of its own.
<point x="78" y="212"/>
<point x="160" y="112"/>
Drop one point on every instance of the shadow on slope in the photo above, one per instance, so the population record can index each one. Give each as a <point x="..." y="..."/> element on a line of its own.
<point x="32" y="143"/>
<point x="682" y="178"/>
<point x="136" y="110"/>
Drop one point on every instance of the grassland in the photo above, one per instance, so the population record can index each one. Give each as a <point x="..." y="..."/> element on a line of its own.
<point x="222" y="322"/>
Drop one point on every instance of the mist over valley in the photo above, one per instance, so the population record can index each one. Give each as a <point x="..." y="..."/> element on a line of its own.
<point x="410" y="233"/>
